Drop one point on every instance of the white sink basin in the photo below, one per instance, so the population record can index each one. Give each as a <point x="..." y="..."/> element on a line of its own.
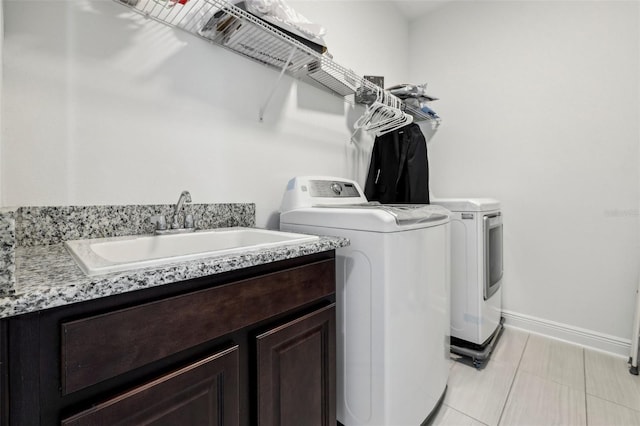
<point x="104" y="255"/>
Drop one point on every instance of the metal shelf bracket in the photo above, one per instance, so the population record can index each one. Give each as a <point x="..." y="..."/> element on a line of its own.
<point x="275" y="85"/>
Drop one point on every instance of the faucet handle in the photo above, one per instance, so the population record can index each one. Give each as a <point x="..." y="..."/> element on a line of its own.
<point x="188" y="221"/>
<point x="159" y="221"/>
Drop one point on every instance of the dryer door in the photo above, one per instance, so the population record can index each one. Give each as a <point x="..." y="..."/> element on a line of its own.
<point x="492" y="253"/>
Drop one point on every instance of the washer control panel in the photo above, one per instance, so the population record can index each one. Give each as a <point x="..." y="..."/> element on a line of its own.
<point x="310" y="191"/>
<point x="332" y="189"/>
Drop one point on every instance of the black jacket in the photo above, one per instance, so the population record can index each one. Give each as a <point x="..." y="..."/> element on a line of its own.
<point x="399" y="168"/>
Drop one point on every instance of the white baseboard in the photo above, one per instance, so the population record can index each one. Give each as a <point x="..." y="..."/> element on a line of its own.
<point x="579" y="336"/>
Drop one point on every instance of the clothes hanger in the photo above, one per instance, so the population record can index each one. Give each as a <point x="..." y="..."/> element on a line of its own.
<point x="384" y="115"/>
<point x="369" y="111"/>
<point x="401" y="122"/>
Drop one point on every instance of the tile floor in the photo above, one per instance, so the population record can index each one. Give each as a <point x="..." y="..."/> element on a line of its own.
<point x="532" y="380"/>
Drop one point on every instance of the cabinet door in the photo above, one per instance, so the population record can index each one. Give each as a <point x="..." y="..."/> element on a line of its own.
<point x="297" y="372"/>
<point x="204" y="393"/>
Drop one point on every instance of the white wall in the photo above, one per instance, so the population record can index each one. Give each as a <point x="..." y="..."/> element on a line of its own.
<point x="540" y="102"/>
<point x="104" y="107"/>
<point x="1" y="68"/>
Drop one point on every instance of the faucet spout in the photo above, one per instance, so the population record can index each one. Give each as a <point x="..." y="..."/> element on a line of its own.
<point x="185" y="197"/>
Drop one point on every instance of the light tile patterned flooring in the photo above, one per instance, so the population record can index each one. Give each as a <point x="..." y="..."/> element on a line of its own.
<point x="532" y="380"/>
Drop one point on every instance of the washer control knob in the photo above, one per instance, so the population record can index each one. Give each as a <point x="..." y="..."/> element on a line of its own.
<point x="336" y="188"/>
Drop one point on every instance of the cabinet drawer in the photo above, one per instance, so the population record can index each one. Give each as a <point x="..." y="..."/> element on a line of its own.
<point x="202" y="393"/>
<point x="101" y="347"/>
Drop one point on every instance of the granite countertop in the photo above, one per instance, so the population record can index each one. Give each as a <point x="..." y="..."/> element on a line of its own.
<point x="47" y="276"/>
<point x="37" y="272"/>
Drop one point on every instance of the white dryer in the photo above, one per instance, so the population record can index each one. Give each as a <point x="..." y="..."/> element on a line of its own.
<point x="392" y="299"/>
<point x="476" y="276"/>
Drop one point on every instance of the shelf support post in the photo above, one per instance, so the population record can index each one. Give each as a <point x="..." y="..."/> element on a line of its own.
<point x="275" y="85"/>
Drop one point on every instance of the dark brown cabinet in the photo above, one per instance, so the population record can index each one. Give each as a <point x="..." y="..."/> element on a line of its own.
<point x="249" y="347"/>
<point x="296" y="372"/>
<point x="203" y="393"/>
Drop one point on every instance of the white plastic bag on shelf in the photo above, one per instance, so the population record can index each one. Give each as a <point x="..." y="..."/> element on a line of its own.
<point x="286" y="17"/>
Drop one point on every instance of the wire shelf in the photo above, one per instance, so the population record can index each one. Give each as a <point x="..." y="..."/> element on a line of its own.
<point x="229" y="26"/>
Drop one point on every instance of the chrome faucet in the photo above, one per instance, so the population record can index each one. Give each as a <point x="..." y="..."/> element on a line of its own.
<point x="160" y="221"/>
<point x="185" y="197"/>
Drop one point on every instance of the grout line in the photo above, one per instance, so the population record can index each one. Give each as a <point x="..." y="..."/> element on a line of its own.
<point x="541" y="375"/>
<point x="613" y="403"/>
<point x="605" y="397"/>
<point x="504" y="406"/>
<point x="466" y="415"/>
<point x="584" y="369"/>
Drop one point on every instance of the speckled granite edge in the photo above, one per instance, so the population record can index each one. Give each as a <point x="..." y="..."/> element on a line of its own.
<point x="41" y="226"/>
<point x="7" y="252"/>
<point x="48" y="277"/>
<point x="36" y="226"/>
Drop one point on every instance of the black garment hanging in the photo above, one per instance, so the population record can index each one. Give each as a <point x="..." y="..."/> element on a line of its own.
<point x="399" y="168"/>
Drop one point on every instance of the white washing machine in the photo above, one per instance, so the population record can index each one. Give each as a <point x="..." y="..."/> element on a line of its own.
<point x="476" y="275"/>
<point x="392" y="299"/>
